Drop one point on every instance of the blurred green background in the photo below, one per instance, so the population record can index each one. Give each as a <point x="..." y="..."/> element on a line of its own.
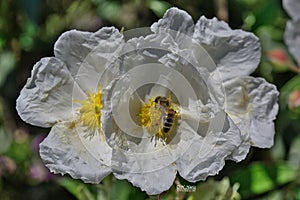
<point x="28" y="31"/>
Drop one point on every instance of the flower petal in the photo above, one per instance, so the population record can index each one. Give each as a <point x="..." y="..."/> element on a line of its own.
<point x="63" y="152"/>
<point x="73" y="46"/>
<point x="152" y="183"/>
<point x="235" y="52"/>
<point x="206" y="155"/>
<point x="252" y="104"/>
<point x="174" y="60"/>
<point x="292" y="7"/>
<point x="292" y="38"/>
<point x="46" y="97"/>
<point x="174" y="21"/>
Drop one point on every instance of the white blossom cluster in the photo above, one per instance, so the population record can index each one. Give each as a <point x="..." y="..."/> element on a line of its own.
<point x="93" y="90"/>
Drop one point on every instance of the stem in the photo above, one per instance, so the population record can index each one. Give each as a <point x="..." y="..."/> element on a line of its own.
<point x="179" y="195"/>
<point x="294" y="68"/>
<point x="160" y="195"/>
<point x="222" y="9"/>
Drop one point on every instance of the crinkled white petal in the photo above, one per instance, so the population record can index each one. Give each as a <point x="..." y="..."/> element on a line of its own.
<point x="235" y="52"/>
<point x="292" y="38"/>
<point x="152" y="183"/>
<point x="252" y="104"/>
<point x="142" y="63"/>
<point x="134" y="151"/>
<point x="206" y="155"/>
<point x="141" y="50"/>
<point x="72" y="47"/>
<point x="180" y="26"/>
<point x="63" y="152"/>
<point x="292" y="7"/>
<point x="46" y="97"/>
<point x="176" y="22"/>
<point x="145" y="155"/>
<point x="160" y="49"/>
<point x="95" y="142"/>
<point x="148" y="166"/>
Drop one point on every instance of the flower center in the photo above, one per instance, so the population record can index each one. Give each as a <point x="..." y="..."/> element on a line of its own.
<point x="159" y="116"/>
<point x="90" y="111"/>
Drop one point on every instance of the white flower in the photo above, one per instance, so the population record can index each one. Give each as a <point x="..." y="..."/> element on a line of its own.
<point x="292" y="31"/>
<point x="144" y="108"/>
<point x="292" y="7"/>
<point x="63" y="95"/>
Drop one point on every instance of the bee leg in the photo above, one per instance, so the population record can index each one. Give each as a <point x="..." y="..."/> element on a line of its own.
<point x="155" y="140"/>
<point x="151" y="139"/>
<point x="163" y="141"/>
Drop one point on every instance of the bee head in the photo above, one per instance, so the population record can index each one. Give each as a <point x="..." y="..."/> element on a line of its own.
<point x="162" y="101"/>
<point x="157" y="99"/>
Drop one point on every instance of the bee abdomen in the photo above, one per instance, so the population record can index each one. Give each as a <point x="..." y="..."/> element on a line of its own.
<point x="168" y="120"/>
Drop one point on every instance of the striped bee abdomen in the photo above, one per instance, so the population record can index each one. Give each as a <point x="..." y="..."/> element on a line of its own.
<point x="168" y="120"/>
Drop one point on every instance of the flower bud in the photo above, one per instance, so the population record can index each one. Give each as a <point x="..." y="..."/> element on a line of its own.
<point x="294" y="99"/>
<point x="7" y="165"/>
<point x="279" y="58"/>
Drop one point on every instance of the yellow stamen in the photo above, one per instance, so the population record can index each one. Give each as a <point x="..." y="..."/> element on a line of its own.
<point x="90" y="112"/>
<point x="151" y="117"/>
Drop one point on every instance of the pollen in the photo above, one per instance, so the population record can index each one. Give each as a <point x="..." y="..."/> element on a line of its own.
<point x="150" y="116"/>
<point x="90" y="111"/>
<point x="159" y="118"/>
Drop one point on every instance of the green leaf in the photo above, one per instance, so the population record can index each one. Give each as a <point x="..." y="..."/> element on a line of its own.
<point x="297" y="194"/>
<point x="286" y="90"/>
<point x="123" y="190"/>
<point x="218" y="190"/>
<point x="261" y="177"/>
<point x="110" y="188"/>
<point x="7" y="64"/>
<point x="27" y="37"/>
<point x="5" y="140"/>
<point x="294" y="83"/>
<point x="5" y="136"/>
<point x="20" y="150"/>
<point x="77" y="188"/>
<point x="158" y="7"/>
<point x="278" y="150"/>
<point x="263" y="17"/>
<point x="2" y="42"/>
<point x="120" y="190"/>
<point x="294" y="153"/>
<point x="110" y="10"/>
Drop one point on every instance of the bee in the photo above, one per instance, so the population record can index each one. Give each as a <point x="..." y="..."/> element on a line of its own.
<point x="168" y="120"/>
<point x="162" y="101"/>
<point x="168" y="113"/>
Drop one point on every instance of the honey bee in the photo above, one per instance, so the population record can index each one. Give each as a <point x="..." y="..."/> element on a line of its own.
<point x="162" y="101"/>
<point x="168" y="119"/>
<point x="168" y="113"/>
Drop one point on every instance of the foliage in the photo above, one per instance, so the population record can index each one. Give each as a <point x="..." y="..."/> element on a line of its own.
<point x="28" y="31"/>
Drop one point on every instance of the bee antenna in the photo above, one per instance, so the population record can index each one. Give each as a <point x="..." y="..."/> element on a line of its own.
<point x="157" y="99"/>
